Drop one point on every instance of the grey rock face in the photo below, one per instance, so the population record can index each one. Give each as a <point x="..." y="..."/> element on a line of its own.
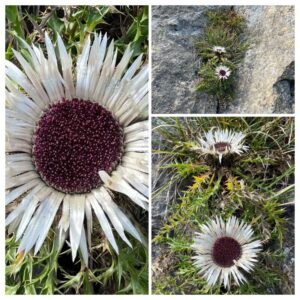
<point x="284" y="91"/>
<point x="265" y="80"/>
<point x="174" y="61"/>
<point x="288" y="265"/>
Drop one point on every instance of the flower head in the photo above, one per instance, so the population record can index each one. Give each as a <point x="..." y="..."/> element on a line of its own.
<point x="223" y="72"/>
<point x="219" y="49"/>
<point x="70" y="146"/>
<point x="223" y="249"/>
<point x="220" y="142"/>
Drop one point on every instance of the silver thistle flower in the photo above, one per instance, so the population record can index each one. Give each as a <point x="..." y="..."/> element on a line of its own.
<point x="69" y="146"/>
<point x="219" y="49"/>
<point x="223" y="249"/>
<point x="222" y="72"/>
<point x="220" y="142"/>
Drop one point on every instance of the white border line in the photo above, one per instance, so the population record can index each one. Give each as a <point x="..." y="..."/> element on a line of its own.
<point x="148" y="2"/>
<point x="150" y="156"/>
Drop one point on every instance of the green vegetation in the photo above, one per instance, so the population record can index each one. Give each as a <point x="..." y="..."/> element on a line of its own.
<point x="257" y="187"/>
<point x="52" y="271"/>
<point x="224" y="29"/>
<point x="124" y="24"/>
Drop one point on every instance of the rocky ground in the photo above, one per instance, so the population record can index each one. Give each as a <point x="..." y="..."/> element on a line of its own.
<point x="265" y="80"/>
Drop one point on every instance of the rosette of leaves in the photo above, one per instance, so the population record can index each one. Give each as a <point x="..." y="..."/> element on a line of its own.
<point x="191" y="188"/>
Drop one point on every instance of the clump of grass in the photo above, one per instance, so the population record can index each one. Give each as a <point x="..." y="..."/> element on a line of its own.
<point x="257" y="187"/>
<point x="224" y="29"/>
<point x="52" y="271"/>
<point x="124" y="24"/>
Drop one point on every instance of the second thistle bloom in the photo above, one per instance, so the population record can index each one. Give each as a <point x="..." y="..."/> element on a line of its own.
<point x="220" y="142"/>
<point x="219" y="49"/>
<point x="223" y="249"/>
<point x="222" y="72"/>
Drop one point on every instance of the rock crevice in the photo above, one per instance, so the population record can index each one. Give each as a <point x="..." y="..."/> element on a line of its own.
<point x="265" y="78"/>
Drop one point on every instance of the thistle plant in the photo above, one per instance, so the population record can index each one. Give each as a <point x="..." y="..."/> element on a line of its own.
<point x="221" y="49"/>
<point x="226" y="187"/>
<point x="76" y="153"/>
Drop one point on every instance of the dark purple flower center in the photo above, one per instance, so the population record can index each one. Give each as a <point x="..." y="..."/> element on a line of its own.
<point x="221" y="147"/>
<point x="73" y="141"/>
<point x="222" y="72"/>
<point x="225" y="251"/>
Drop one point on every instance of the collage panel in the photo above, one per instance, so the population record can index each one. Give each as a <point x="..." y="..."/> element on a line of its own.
<point x="223" y="205"/>
<point x="223" y="59"/>
<point x="76" y="150"/>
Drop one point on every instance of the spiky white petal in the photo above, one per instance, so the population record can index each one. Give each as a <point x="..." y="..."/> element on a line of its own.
<point x="47" y="219"/>
<point x="66" y="69"/>
<point x="77" y="205"/>
<point x="103" y="197"/>
<point x="40" y="223"/>
<point x="118" y="184"/>
<point x="35" y="199"/>
<point x="103" y="221"/>
<point x="89" y="221"/>
<point x="83" y="247"/>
